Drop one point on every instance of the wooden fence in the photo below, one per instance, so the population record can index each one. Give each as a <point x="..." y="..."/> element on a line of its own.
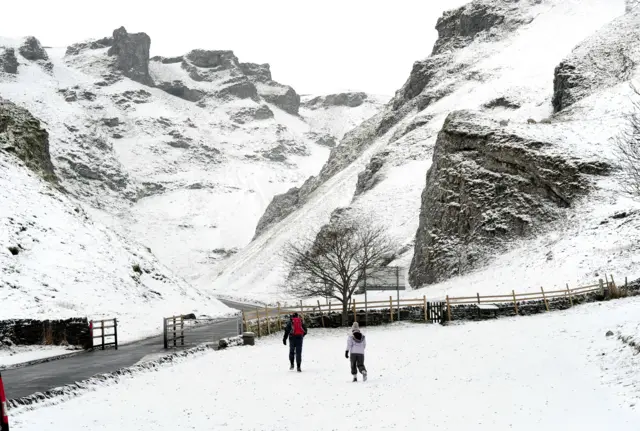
<point x="266" y="320"/>
<point x="101" y="326"/>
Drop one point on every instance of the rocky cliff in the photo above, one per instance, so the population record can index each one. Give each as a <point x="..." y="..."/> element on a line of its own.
<point x="488" y="185"/>
<point x="23" y="136"/>
<point x="605" y="59"/>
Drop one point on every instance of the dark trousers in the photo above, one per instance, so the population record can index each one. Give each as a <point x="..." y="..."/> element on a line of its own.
<point x="295" y="349"/>
<point x="357" y="363"/>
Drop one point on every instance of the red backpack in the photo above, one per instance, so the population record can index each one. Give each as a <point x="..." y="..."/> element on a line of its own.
<point x="296" y="324"/>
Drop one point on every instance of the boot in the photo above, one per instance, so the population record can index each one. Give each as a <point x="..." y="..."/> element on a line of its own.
<point x="355" y="378"/>
<point x="364" y="375"/>
<point x="299" y="370"/>
<point x="291" y="367"/>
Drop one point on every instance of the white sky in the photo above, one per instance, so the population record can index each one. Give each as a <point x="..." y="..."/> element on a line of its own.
<point x="316" y="47"/>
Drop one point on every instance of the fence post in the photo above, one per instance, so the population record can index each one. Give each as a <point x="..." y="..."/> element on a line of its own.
<point x="329" y="307"/>
<point x="266" y="313"/>
<point x="424" y="300"/>
<point x="625" y="283"/>
<point x="448" y="310"/>
<point x="391" y="307"/>
<point x="279" y="319"/>
<point x="570" y="295"/>
<point x="164" y="326"/>
<point x="321" y="315"/>
<point x="91" y="332"/>
<point x="115" y="331"/>
<point x="174" y="331"/>
<point x="355" y="316"/>
<point x="301" y="309"/>
<point x="258" y="318"/>
<point x="544" y="298"/>
<point x="478" y="295"/>
<point x="244" y="322"/>
<point x="515" y="303"/>
<point x="182" y="330"/>
<point x="601" y="287"/>
<point x="102" y="324"/>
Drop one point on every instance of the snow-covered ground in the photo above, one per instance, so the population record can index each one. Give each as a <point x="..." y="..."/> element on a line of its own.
<point x="521" y="67"/>
<point x="554" y="371"/>
<point x="21" y="354"/>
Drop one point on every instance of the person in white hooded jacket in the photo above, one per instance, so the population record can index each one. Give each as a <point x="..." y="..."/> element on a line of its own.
<point x="356" y="343"/>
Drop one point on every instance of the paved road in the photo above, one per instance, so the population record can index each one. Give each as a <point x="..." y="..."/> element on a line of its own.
<point x="28" y="380"/>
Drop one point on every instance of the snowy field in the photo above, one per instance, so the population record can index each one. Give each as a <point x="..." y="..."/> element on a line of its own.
<point x="555" y="371"/>
<point x="21" y="354"/>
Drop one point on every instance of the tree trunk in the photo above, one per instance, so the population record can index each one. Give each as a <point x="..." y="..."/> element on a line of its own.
<point x="345" y="311"/>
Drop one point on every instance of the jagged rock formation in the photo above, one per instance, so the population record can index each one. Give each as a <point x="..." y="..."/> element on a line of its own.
<point x="132" y="55"/>
<point x="608" y="57"/>
<point x="488" y="185"/>
<point x="77" y="48"/>
<point x="351" y="100"/>
<point x="323" y="139"/>
<point x="257" y="72"/>
<point x="32" y="50"/>
<point x="178" y="89"/>
<point x="283" y="96"/>
<point x="368" y="178"/>
<point x="209" y="59"/>
<point x="245" y="115"/>
<point x="8" y="60"/>
<point x="22" y="135"/>
<point x="478" y="19"/>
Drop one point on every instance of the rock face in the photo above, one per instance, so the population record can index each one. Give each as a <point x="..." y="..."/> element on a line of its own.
<point x="369" y="177"/>
<point x="487" y="186"/>
<point x="21" y="135"/>
<point x="608" y="57"/>
<point x="283" y="96"/>
<point x="481" y="18"/>
<point x="249" y="114"/>
<point x="212" y="59"/>
<point x="77" y="48"/>
<point x="351" y="100"/>
<point x="132" y="55"/>
<point x="8" y="61"/>
<point x="257" y="72"/>
<point x="322" y="139"/>
<point x="179" y="89"/>
<point x="32" y="50"/>
<point x="279" y="208"/>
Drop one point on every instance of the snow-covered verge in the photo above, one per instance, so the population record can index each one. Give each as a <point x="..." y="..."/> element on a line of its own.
<point x="10" y="356"/>
<point x="69" y="265"/>
<point x="555" y="371"/>
<point x="508" y="75"/>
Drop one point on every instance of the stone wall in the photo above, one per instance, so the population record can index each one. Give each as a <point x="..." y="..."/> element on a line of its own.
<point x="57" y="332"/>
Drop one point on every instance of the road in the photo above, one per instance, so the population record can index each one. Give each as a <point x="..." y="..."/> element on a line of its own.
<point x="28" y="380"/>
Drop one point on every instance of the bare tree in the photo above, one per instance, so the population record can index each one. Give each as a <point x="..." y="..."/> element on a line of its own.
<point x="628" y="150"/>
<point x="333" y="263"/>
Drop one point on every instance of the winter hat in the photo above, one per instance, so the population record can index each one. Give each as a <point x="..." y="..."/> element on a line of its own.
<point x="355" y="327"/>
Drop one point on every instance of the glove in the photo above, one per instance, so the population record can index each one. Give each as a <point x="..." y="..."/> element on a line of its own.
<point x="284" y="341"/>
<point x="346" y="354"/>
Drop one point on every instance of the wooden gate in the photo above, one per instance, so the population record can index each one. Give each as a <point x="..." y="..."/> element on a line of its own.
<point x="173" y="331"/>
<point x="111" y="325"/>
<point x="436" y="312"/>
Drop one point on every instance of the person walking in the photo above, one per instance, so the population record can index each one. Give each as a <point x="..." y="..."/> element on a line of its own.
<point x="356" y="343"/>
<point x="295" y="331"/>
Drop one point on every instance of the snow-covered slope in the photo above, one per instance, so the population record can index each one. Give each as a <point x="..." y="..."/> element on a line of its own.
<point x="498" y="58"/>
<point x="555" y="371"/>
<point x="57" y="262"/>
<point x="183" y="154"/>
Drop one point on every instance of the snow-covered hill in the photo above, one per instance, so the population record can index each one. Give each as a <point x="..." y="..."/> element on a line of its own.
<point x="516" y="195"/>
<point x="168" y="160"/>
<point x="183" y="154"/>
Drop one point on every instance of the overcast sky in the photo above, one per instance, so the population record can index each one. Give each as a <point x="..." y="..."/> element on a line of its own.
<point x="316" y="47"/>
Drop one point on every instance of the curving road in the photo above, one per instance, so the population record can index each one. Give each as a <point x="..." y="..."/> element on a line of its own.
<point x="20" y="382"/>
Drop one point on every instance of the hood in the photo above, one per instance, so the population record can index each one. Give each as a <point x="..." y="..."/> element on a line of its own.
<point x="358" y="337"/>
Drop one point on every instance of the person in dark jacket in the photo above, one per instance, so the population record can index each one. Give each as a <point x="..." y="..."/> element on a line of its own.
<point x="295" y="331"/>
